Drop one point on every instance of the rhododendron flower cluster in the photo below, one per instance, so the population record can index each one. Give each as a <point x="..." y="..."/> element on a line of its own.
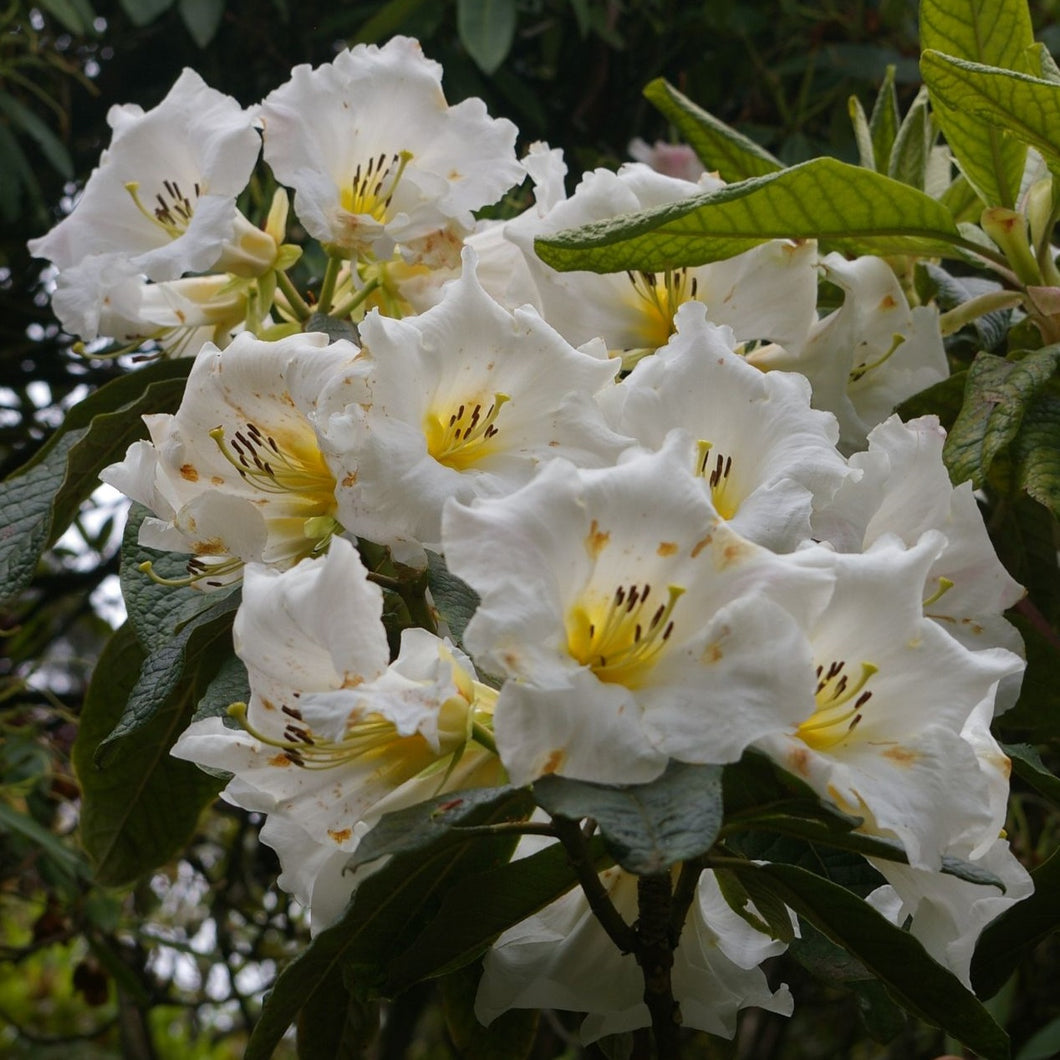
<point x="685" y="523"/>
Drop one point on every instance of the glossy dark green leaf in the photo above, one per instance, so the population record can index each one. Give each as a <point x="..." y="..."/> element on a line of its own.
<point x="202" y="18"/>
<point x="1008" y="939"/>
<point x="646" y="827"/>
<point x="1027" y="764"/>
<point x="50" y="145"/>
<point x="1037" y="450"/>
<point x="139" y="811"/>
<point x="388" y="909"/>
<point x="40" y="500"/>
<point x="719" y="147"/>
<point x="510" y="1036"/>
<point x="472" y="916"/>
<point x="335" y="1022"/>
<point x="922" y="986"/>
<point x="846" y="207"/>
<point x="143" y="12"/>
<point x="455" y="599"/>
<point x="997" y="393"/>
<point x="230" y="685"/>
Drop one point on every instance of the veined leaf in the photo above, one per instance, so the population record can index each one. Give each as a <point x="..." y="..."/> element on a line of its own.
<point x="1037" y="450"/>
<point x="718" y="146"/>
<point x="41" y="498"/>
<point x="908" y="160"/>
<point x="646" y="827"/>
<point x="847" y="207"/>
<point x="139" y="811"/>
<point x="884" y="123"/>
<point x="995" y="33"/>
<point x="1023" y="108"/>
<point x="917" y="982"/>
<point x="487" y="29"/>
<point x="997" y="394"/>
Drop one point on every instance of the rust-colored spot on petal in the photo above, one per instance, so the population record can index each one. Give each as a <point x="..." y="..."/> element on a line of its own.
<point x="189" y="472"/>
<point x="211" y="546"/>
<point x="888" y="302"/>
<point x="667" y="548"/>
<point x="712" y="653"/>
<point x="700" y="545"/>
<point x="597" y="539"/>
<point x="902" y="755"/>
<point x="799" y="761"/>
<point x="340" y="835"/>
<point x="216" y="480"/>
<point x="280" y="760"/>
<point x="349" y="479"/>
<point x="555" y="760"/>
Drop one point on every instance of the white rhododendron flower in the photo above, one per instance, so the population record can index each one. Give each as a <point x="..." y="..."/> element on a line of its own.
<point x="766" y="294"/>
<point x="891" y="727"/>
<point x="870" y="354"/>
<point x="377" y="158"/>
<point x="904" y="489"/>
<point x="562" y="958"/>
<point x="467" y="399"/>
<point x="333" y="728"/>
<point x="164" y="193"/>
<point x="633" y="624"/>
<point x="237" y="475"/>
<point x="949" y="913"/>
<point x="766" y="458"/>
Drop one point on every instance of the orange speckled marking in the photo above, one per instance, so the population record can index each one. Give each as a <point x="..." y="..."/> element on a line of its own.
<point x="555" y="760"/>
<point x="189" y="472"/>
<point x="280" y="760"/>
<point x="888" y="302"/>
<point x="597" y="539"/>
<point x="341" y="835"/>
<point x="799" y="760"/>
<point x="667" y="548"/>
<point x="700" y="545"/>
<point x="902" y="755"/>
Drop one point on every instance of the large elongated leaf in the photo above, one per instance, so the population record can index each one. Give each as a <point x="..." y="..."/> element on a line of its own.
<point x="138" y="812"/>
<point x="387" y="911"/>
<point x="1037" y="450"/>
<point x="847" y="207"/>
<point x="487" y="29"/>
<point x="918" y="983"/>
<point x="646" y="827"/>
<point x="996" y="397"/>
<point x="1025" y="108"/>
<point x="473" y="915"/>
<point x="40" y="500"/>
<point x="718" y="146"/>
<point x="995" y="33"/>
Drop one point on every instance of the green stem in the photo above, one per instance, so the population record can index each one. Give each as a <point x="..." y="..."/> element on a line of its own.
<point x="955" y="319"/>
<point x="327" y="287"/>
<point x="484" y="738"/>
<point x="344" y="309"/>
<point x="299" y="306"/>
<point x="655" y="955"/>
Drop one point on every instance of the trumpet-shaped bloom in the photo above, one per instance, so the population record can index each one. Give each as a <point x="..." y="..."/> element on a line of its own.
<point x="764" y="455"/>
<point x="377" y="158"/>
<point x="335" y="735"/>
<point x="867" y="356"/>
<point x="767" y="293"/>
<point x="237" y="475"/>
<point x="164" y="193"/>
<point x="467" y="399"/>
<point x="892" y="725"/>
<point x="633" y="624"/>
<point x="904" y="490"/>
<point x="561" y="958"/>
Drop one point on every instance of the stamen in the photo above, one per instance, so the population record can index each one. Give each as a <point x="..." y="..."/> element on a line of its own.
<point x="462" y="438"/>
<point x="372" y="189"/>
<point x="658" y="297"/>
<point x="834" y="719"/>
<point x="718" y="477"/>
<point x="173" y="210"/>
<point x="867" y="366"/>
<point x="944" y="587"/>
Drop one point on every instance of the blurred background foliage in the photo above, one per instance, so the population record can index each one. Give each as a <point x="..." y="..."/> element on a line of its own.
<point x="176" y="966"/>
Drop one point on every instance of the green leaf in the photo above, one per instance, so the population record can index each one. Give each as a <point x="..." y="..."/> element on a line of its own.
<point x="387" y="21"/>
<point x="142" y="12"/>
<point x="908" y="159"/>
<point x="996" y="33"/>
<point x="388" y="909"/>
<point x="140" y="811"/>
<point x="334" y="327"/>
<point x="47" y="844"/>
<point x="913" y="979"/>
<point x="335" y="1022"/>
<point x="883" y="125"/>
<point x="646" y="827"/>
<point x="455" y="599"/>
<point x="862" y="135"/>
<point x="1010" y="937"/>
<point x="1044" y="1045"/>
<point x="997" y="393"/>
<point x="231" y="685"/>
<point x="51" y="146"/>
<point x="76" y="16"/>
<point x="768" y="915"/>
<point x="415" y="827"/>
<point x="718" y="146"/>
<point x="943" y="399"/>
<point x="187" y="635"/>
<point x="962" y="200"/>
<point x="1037" y="450"/>
<point x="472" y="916"/>
<point x="1036" y="715"/>
<point x="510" y="1036"/>
<point x="41" y="498"/>
<point x="1021" y="108"/>
<point x="849" y="208"/>
<point x="202" y="18"/>
<point x="487" y="29"/>
<point x="1028" y="765"/>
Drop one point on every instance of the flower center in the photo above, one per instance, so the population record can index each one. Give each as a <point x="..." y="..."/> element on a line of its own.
<point x="372" y="187"/>
<point x="716" y="468"/>
<point x="621" y="640"/>
<point x="839" y="705"/>
<point x="658" y="296"/>
<point x="172" y="209"/>
<point x="462" y="437"/>
<point x="295" y="470"/>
